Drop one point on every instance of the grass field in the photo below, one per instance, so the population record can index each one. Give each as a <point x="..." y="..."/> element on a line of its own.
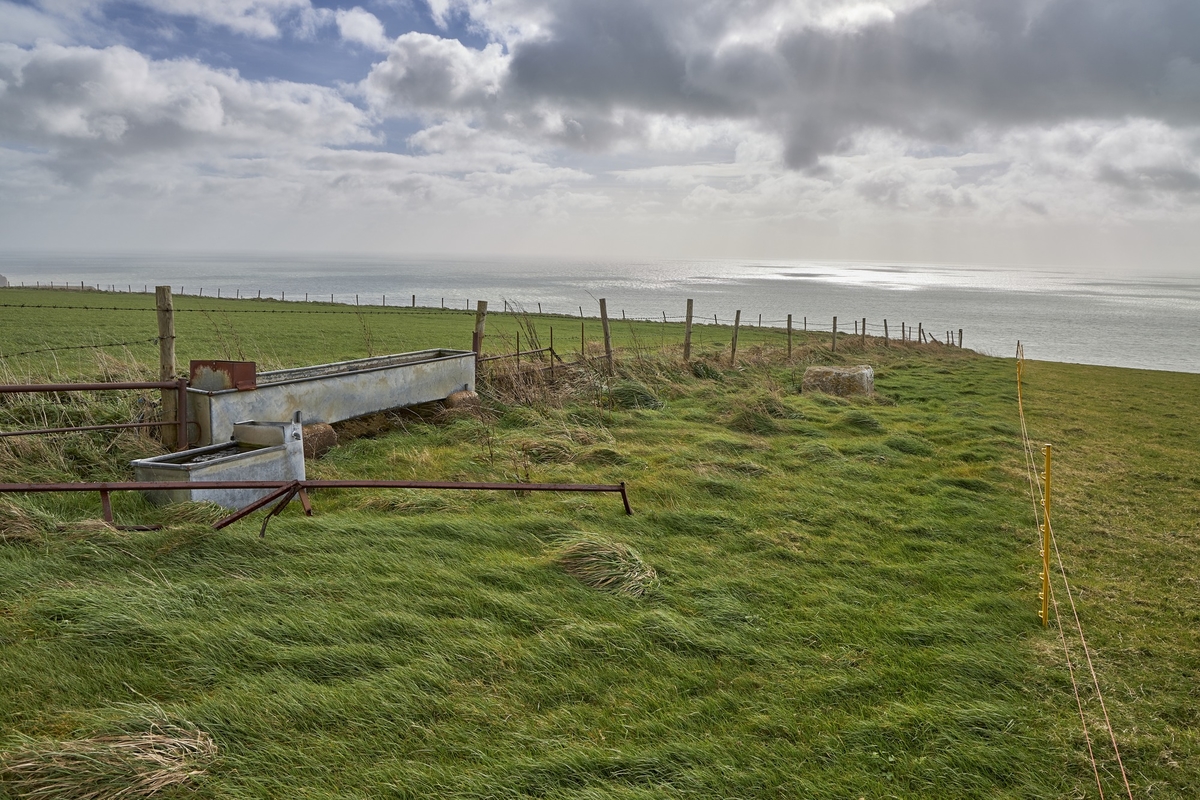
<point x="844" y="602"/>
<point x="277" y="334"/>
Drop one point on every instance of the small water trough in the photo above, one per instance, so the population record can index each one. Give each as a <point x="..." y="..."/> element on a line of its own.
<point x="224" y="393"/>
<point x="259" y="451"/>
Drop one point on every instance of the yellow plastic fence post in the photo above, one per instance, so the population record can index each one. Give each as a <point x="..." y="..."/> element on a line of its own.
<point x="1045" y="615"/>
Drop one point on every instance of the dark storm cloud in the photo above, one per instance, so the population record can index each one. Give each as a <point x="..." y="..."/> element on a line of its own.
<point x="616" y="53"/>
<point x="945" y="68"/>
<point x="934" y="72"/>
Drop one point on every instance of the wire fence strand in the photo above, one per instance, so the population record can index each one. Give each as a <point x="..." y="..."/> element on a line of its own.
<point x="1037" y="494"/>
<point x="153" y="340"/>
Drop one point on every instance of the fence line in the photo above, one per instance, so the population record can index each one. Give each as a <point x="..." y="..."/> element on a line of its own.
<point x="776" y="326"/>
<point x="1040" y="496"/>
<point x="509" y="307"/>
<point x="770" y="327"/>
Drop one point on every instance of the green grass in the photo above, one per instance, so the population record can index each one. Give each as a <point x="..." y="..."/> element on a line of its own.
<point x="276" y="335"/>
<point x="845" y="603"/>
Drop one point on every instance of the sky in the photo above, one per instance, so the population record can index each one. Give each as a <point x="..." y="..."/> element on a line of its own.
<point x="1032" y="132"/>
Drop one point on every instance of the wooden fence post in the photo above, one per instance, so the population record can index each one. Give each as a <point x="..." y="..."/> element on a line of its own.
<point x="164" y="308"/>
<point x="789" y="336"/>
<point x="921" y="332"/>
<point x="480" y="322"/>
<point x="607" y="335"/>
<point x="414" y="305"/>
<point x="687" y="333"/>
<point x="960" y="337"/>
<point x="864" y="334"/>
<point x="885" y="334"/>
<point x="833" y="343"/>
<point x="737" y="321"/>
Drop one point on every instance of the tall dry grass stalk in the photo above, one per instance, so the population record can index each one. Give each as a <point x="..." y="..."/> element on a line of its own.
<point x="134" y="764"/>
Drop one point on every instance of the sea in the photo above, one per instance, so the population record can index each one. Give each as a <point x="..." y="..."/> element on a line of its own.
<point x="1143" y="320"/>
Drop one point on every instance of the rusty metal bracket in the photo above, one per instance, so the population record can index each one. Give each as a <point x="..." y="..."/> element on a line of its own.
<point x="283" y="501"/>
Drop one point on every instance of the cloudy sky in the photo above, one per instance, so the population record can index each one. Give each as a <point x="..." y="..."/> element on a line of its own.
<point x="1061" y="132"/>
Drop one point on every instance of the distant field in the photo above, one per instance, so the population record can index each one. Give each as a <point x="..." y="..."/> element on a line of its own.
<point x="846" y="598"/>
<point x="283" y="334"/>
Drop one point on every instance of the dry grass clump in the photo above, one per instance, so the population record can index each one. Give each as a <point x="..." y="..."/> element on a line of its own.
<point x="545" y="451"/>
<point x="127" y="764"/>
<point x="87" y="529"/>
<point x="192" y="513"/>
<point x="609" y="566"/>
<point x="18" y="526"/>
<point x="407" y="502"/>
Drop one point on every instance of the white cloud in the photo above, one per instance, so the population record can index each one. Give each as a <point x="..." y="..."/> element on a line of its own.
<point x="361" y="26"/>
<point x="26" y="25"/>
<point x="425" y="73"/>
<point x="258" y="18"/>
<point x="93" y="108"/>
<point x="845" y="113"/>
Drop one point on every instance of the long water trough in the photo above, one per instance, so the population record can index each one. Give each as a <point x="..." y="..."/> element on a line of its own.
<point x="223" y="394"/>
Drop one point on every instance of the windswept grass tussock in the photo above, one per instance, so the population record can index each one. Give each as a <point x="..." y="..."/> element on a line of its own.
<point x="152" y="753"/>
<point x="628" y="394"/>
<point x="610" y="566"/>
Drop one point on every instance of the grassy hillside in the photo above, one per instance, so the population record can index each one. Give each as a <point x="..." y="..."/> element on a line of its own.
<point x="845" y="603"/>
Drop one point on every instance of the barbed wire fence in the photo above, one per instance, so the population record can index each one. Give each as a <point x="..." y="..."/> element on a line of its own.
<point x="844" y="334"/>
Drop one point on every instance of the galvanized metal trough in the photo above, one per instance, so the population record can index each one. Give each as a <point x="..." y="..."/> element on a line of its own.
<point x="260" y="451"/>
<point x="225" y="393"/>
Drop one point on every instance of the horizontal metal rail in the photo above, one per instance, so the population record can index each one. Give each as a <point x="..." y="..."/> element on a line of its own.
<point x="180" y="423"/>
<point x="515" y="355"/>
<point x="284" y="491"/>
<point x="29" y="388"/>
<point x="76" y="428"/>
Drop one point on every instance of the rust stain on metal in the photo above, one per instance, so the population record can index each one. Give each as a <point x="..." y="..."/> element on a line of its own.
<point x="216" y="376"/>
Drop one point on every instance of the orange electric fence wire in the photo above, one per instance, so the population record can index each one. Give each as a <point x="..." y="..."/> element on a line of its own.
<point x="1035" y="490"/>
